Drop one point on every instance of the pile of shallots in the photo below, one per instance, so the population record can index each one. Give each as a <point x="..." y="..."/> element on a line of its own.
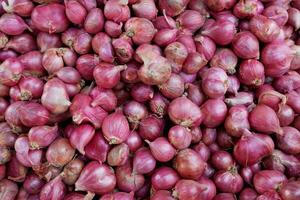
<point x="149" y="99"/>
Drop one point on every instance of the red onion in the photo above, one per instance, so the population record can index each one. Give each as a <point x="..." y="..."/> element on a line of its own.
<point x="190" y="20"/>
<point x="268" y="96"/>
<point x="97" y="178"/>
<point x="20" y="7"/>
<point x="134" y="141"/>
<point x="290" y="190"/>
<point x="42" y="136"/>
<point x="276" y="13"/>
<point x="94" y="21"/>
<point x="85" y="65"/>
<point x="268" y="180"/>
<point x="215" y="82"/>
<point x="33" y="114"/>
<point x="146" y="52"/>
<point x="127" y="180"/>
<point x="162" y="22"/>
<point x="187" y="189"/>
<point x="285" y="115"/>
<point x="143" y="161"/>
<point x="145" y="9"/>
<point x="107" y="75"/>
<point x="180" y="137"/>
<point x="224" y="140"/>
<point x="164" y="178"/>
<point x="118" y="195"/>
<point x="252" y="147"/>
<point x="288" y="82"/>
<point x="10" y="71"/>
<point x="248" y="8"/>
<point x="142" y="92"/>
<point x="118" y="155"/>
<point x="104" y="98"/>
<point x="32" y="62"/>
<point x="225" y="196"/>
<point x="7" y="137"/>
<point x="265" y="29"/>
<point x="293" y="16"/>
<point x="158" y="104"/>
<point x="21" y="43"/>
<point x="9" y="189"/>
<point x="30" y="87"/>
<point x="129" y="75"/>
<point x="209" y="135"/>
<point x="60" y="152"/>
<point x="55" y="58"/>
<point x="55" y="88"/>
<point x="215" y="111"/>
<point x="12" y="24"/>
<point x="173" y="88"/>
<point x="135" y="112"/>
<point x="12" y="116"/>
<point x="50" y="18"/>
<point x="15" y="170"/>
<point x="289" y="141"/>
<point x="33" y="184"/>
<point x="5" y="155"/>
<point x="202" y="150"/>
<point x="165" y="36"/>
<point x="199" y="6"/>
<point x="217" y="6"/>
<point x="189" y="164"/>
<point x="162" y="194"/>
<point x="221" y="31"/>
<point x="101" y="44"/>
<point x="151" y="128"/>
<point x="46" y="41"/>
<point x="4" y="54"/>
<point x="245" y="45"/>
<point x="194" y="62"/>
<point x="177" y="111"/>
<point x="228" y="180"/>
<point x="72" y="171"/>
<point x="262" y="123"/>
<point x="113" y="29"/>
<point x="75" y="11"/>
<point x="295" y="64"/>
<point x="205" y="46"/>
<point x="55" y="189"/>
<point x="115" y="128"/>
<point x="236" y="121"/>
<point x="233" y="85"/>
<point x="161" y="149"/>
<point x="123" y="50"/>
<point x="188" y="41"/>
<point x="117" y="10"/>
<point x="82" y="111"/>
<point x="195" y="94"/>
<point x="222" y="160"/>
<point x="97" y="148"/>
<point x="81" y="136"/>
<point x="173" y="8"/>
<point x="252" y="73"/>
<point x="225" y="59"/>
<point x="292" y="101"/>
<point x="141" y="30"/>
<point x="176" y="53"/>
<point x="248" y="194"/>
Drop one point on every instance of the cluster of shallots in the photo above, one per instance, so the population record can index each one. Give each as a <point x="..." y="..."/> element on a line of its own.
<point x="149" y="99"/>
